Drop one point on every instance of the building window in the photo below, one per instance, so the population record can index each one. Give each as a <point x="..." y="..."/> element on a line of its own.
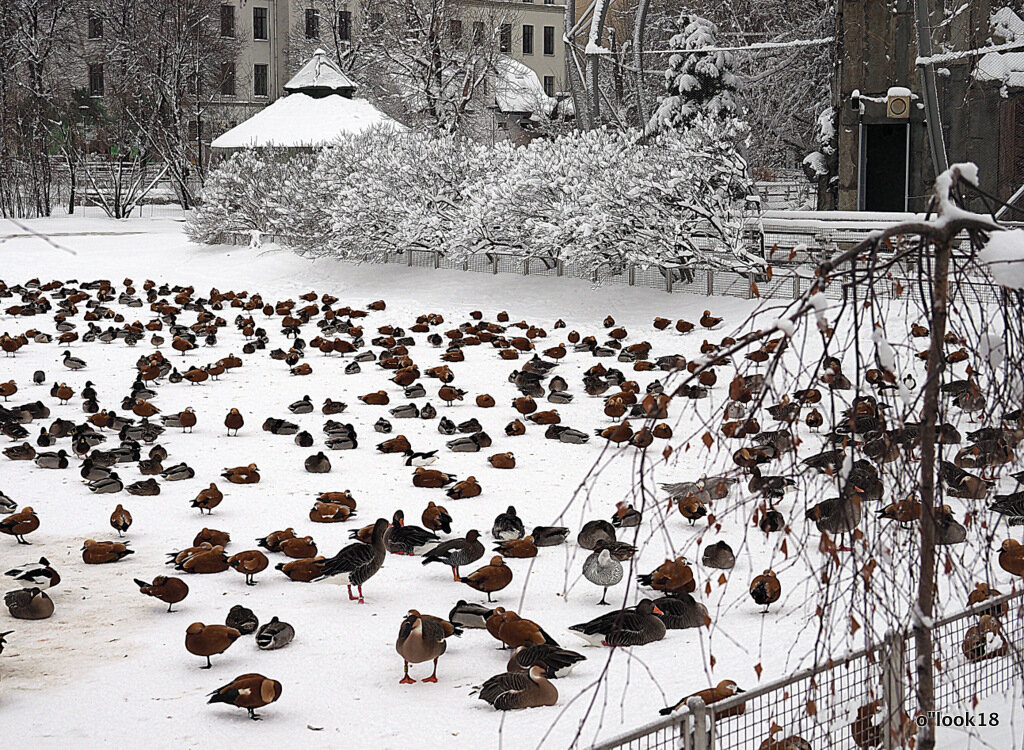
<point x="549" y="2"/>
<point x="549" y="40"/>
<point x="259" y="80"/>
<point x="478" y="32"/>
<point x="505" y="38"/>
<point x="312" y="23"/>
<point x="455" y="30"/>
<point x="95" y="27"/>
<point x="527" y="39"/>
<point x="345" y="25"/>
<point x="227" y="79"/>
<point x="549" y="85"/>
<point x="227" y="20"/>
<point x="259" y="23"/>
<point x="96" y="79"/>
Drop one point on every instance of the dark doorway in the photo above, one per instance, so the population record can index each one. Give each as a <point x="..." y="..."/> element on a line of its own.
<point x="884" y="167"/>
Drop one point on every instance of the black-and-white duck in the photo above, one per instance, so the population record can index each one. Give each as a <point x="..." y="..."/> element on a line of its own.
<point x="41" y="575"/>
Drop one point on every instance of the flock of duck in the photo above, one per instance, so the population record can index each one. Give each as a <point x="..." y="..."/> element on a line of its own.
<point x="112" y="437"/>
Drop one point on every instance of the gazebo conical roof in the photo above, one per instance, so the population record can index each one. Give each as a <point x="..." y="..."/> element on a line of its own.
<point x="320" y="76"/>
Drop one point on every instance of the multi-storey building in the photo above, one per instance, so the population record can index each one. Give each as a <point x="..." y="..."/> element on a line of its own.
<point x="276" y="36"/>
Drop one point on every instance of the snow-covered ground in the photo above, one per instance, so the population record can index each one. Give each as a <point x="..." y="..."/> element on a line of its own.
<point x="110" y="665"/>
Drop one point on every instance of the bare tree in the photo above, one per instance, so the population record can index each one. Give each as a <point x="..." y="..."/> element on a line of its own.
<point x="438" y="60"/>
<point x="34" y="34"/>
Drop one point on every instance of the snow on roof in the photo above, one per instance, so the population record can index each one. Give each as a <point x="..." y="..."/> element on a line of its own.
<point x="1001" y="67"/>
<point x="1007" y="25"/>
<point x="321" y="75"/>
<point x="303" y="121"/>
<point x="1006" y="68"/>
<point x="1004" y="256"/>
<point x="518" y="89"/>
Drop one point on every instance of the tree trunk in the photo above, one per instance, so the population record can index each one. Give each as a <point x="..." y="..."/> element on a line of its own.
<point x="639" y="33"/>
<point x="926" y="582"/>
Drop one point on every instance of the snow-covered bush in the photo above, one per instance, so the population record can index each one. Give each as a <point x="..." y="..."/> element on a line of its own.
<point x="268" y="190"/>
<point x="599" y="199"/>
<point x="398" y="193"/>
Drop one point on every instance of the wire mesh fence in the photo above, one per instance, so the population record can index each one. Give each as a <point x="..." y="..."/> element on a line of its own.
<point x="866" y="699"/>
<point x="791" y="255"/>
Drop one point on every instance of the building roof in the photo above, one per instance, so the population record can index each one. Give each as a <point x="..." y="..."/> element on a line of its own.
<point x="303" y="121"/>
<point x="1005" y="68"/>
<point x="320" y="76"/>
<point x="517" y="89"/>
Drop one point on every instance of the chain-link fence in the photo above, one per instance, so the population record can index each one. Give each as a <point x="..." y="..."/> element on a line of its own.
<point x="792" y="256"/>
<point x="866" y="699"/>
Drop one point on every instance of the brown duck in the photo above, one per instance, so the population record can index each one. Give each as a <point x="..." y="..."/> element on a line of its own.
<point x="97" y="553"/>
<point x="167" y="589"/>
<point x="242" y="474"/>
<point x="208" y="499"/>
<point x="249" y="563"/>
<point x="305" y="570"/>
<point x="207" y="640"/>
<point x="19" y="524"/>
<point x="490" y="578"/>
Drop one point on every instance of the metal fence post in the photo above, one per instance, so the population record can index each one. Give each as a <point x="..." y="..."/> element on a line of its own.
<point x="559" y="268"/>
<point x="700" y="724"/>
<point x="494" y="263"/>
<point x="668" y="279"/>
<point x="893" y="688"/>
<point x="711" y="282"/>
<point x="408" y="258"/>
<point x="632" y="275"/>
<point x="465" y="264"/>
<point x="437" y="260"/>
<point x="796" y="286"/>
<point x="526" y="267"/>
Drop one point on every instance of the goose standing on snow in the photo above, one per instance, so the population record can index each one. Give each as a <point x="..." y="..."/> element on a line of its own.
<point x="422" y="638"/>
<point x="457" y="552"/>
<point x="601" y="569"/>
<point x="355" y="564"/>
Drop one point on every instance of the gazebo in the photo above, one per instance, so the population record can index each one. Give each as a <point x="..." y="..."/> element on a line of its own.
<point x="317" y="108"/>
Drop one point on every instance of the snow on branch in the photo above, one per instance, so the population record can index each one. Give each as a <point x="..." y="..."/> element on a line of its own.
<point x="756" y="47"/>
<point x="945" y="57"/>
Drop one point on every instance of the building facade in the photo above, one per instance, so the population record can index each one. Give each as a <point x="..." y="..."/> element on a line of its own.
<point x="276" y="36"/>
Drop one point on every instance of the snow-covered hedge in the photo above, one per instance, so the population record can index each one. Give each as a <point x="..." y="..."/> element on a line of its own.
<point x="594" y="199"/>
